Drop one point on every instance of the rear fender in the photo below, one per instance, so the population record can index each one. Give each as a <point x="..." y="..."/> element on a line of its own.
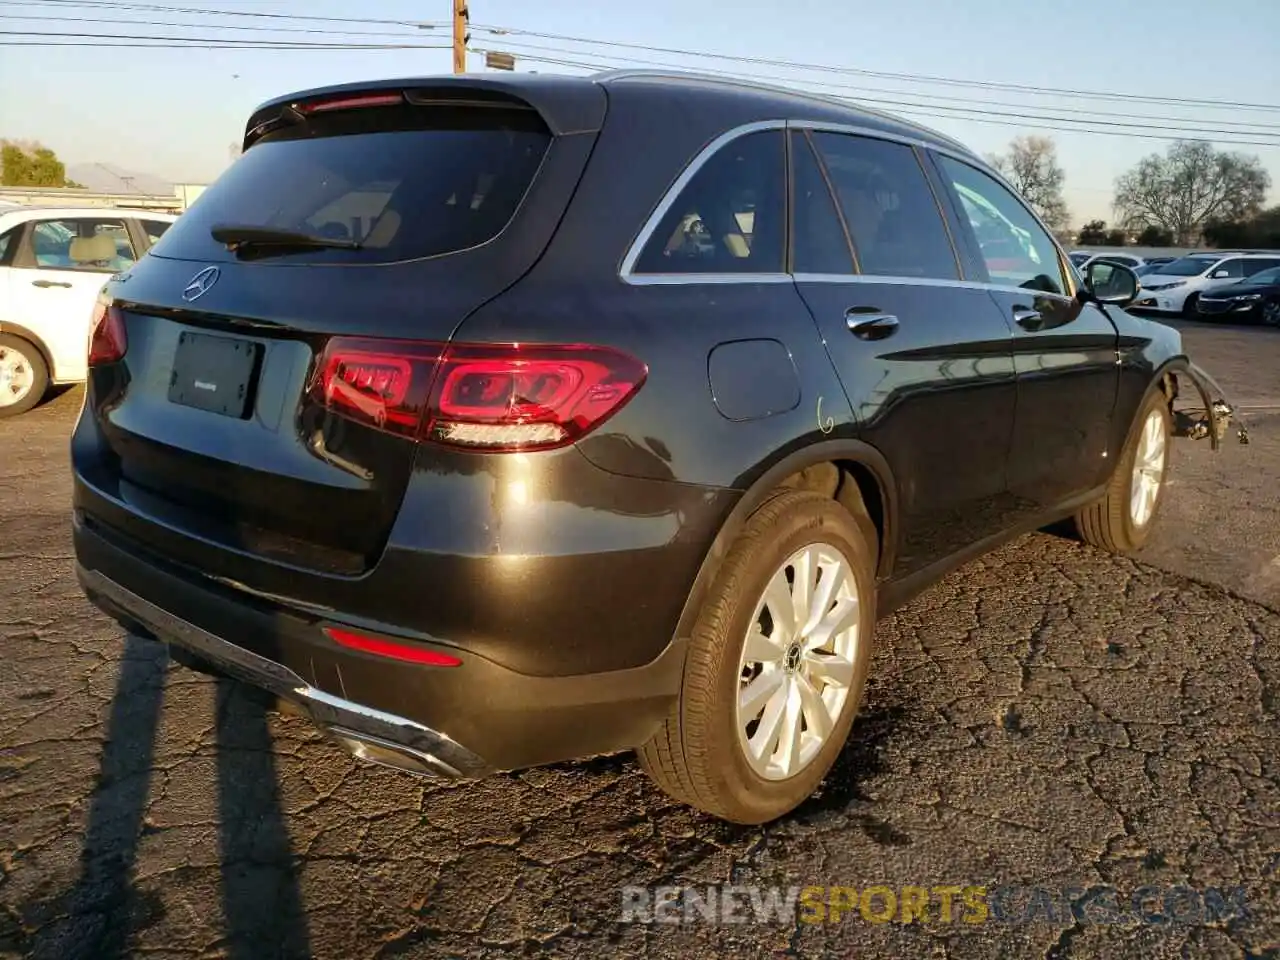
<point x="769" y="482"/>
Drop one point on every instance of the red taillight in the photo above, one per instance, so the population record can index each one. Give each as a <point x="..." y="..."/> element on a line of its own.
<point x="108" y="340"/>
<point x="385" y="383"/>
<point x="481" y="396"/>
<point x="390" y="649"/>
<point x="522" y="396"/>
<point x="351" y="102"/>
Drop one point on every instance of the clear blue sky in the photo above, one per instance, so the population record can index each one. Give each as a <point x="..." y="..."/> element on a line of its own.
<point x="174" y="113"/>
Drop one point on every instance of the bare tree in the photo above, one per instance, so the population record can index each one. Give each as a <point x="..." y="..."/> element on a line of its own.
<point x="1190" y="185"/>
<point x="1031" y="165"/>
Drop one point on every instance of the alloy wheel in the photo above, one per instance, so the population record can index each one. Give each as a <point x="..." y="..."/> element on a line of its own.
<point x="1148" y="470"/>
<point x="797" y="661"/>
<point x="16" y="376"/>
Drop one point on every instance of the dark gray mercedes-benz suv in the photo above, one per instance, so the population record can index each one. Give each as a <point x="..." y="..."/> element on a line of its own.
<point x="494" y="422"/>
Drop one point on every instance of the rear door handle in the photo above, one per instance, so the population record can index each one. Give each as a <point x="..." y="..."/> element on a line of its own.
<point x="868" y="323"/>
<point x="1027" y="318"/>
<point x="49" y="283"/>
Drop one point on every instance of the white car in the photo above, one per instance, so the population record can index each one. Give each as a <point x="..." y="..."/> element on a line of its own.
<point x="53" y="262"/>
<point x="1082" y="259"/>
<point x="1176" y="287"/>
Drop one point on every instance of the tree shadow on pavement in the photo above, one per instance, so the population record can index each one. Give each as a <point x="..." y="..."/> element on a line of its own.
<point x="98" y="918"/>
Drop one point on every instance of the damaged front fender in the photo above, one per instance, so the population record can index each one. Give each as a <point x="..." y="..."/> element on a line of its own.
<point x="1218" y="413"/>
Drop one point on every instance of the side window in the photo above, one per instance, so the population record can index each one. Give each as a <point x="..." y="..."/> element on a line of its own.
<point x="1251" y="267"/>
<point x="1016" y="249"/>
<point x="889" y="207"/>
<point x="154" y="229"/>
<point x="93" y="245"/>
<point x="9" y="243"/>
<point x="1234" y="269"/>
<point x="820" y="243"/>
<point x="730" y="217"/>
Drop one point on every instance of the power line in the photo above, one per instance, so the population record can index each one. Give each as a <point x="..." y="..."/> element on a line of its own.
<point x="122" y="22"/>
<point x="159" y="8"/>
<point x="172" y="44"/>
<point x="908" y="77"/>
<point x="983" y="116"/>
<point x="499" y="30"/>
<point x="197" y="41"/>
<point x="524" y="48"/>
<point x="930" y="110"/>
<point x="1249" y="127"/>
<point x="1086" y="121"/>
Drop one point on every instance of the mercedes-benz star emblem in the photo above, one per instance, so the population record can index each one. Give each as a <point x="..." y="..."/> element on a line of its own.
<point x="201" y="283"/>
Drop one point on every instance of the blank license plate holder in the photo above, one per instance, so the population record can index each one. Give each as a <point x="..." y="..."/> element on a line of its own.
<point x="214" y="373"/>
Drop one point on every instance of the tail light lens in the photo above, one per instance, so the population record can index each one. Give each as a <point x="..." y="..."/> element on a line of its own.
<point x="480" y="396"/>
<point x="384" y="383"/>
<point x="108" y="339"/>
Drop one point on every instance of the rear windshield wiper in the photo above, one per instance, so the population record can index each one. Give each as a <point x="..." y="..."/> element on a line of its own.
<point x="238" y="236"/>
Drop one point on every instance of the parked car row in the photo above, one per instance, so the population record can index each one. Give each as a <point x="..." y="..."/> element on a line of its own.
<point x="1206" y="284"/>
<point x="1081" y="259"/>
<point x="1255" y="299"/>
<point x="1177" y="287"/>
<point x="53" y="262"/>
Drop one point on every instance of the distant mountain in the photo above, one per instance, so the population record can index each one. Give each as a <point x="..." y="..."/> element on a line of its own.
<point x="108" y="178"/>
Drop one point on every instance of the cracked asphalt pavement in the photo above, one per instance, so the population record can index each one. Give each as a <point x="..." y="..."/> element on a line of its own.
<point x="1048" y="716"/>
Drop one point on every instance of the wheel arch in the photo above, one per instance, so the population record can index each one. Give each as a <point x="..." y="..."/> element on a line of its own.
<point x="853" y="473"/>
<point x="1167" y="379"/>
<point x="22" y="333"/>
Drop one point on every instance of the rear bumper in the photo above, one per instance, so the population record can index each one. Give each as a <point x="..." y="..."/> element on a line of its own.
<point x="457" y="722"/>
<point x="435" y="752"/>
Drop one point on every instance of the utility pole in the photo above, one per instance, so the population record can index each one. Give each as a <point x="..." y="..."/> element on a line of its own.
<point x="461" y="16"/>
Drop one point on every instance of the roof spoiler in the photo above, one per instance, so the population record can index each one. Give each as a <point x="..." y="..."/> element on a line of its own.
<point x="567" y="105"/>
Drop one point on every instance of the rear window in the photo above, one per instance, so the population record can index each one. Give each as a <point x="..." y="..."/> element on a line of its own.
<point x="404" y="182"/>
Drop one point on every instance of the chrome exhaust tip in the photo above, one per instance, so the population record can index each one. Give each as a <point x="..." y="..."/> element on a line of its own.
<point x="384" y="753"/>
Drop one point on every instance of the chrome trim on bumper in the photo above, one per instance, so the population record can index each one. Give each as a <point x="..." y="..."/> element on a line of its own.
<point x="346" y="719"/>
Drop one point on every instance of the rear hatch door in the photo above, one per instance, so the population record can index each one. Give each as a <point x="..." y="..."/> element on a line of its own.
<point x="220" y="422"/>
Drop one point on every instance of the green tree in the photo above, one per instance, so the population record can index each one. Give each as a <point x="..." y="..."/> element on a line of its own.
<point x="1094" y="232"/>
<point x="1262" y="231"/>
<point x="1117" y="238"/>
<point x="1153" y="236"/>
<point x="31" y="166"/>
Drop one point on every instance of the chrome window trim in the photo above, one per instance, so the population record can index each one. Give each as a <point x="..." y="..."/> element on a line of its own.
<point x="626" y="272"/>
<point x="827" y="126"/>
<point x="684" y="279"/>
<point x="923" y="282"/>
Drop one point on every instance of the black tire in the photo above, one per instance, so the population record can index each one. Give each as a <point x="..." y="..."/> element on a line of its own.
<point x="1109" y="523"/>
<point x="30" y="360"/>
<point x="1191" y="307"/>
<point x="1270" y="313"/>
<point x="695" y="756"/>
